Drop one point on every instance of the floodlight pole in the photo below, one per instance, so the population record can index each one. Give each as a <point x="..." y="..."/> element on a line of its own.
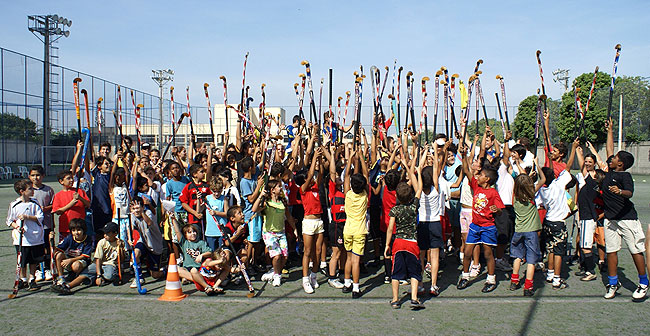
<point x="161" y="77"/>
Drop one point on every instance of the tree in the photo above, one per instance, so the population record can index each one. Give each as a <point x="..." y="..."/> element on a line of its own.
<point x="525" y="120"/>
<point x="495" y="125"/>
<point x="15" y="127"/>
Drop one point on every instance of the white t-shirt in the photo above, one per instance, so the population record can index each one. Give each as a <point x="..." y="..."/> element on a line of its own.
<point x="527" y="162"/>
<point x="235" y="198"/>
<point x="33" y="235"/>
<point x="554" y="198"/>
<point x="466" y="196"/>
<point x="431" y="206"/>
<point x="505" y="185"/>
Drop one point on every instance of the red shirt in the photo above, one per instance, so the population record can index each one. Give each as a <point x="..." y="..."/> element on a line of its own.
<point x="388" y="201"/>
<point x="337" y="203"/>
<point x="294" y="193"/>
<point x="483" y="200"/>
<point x="230" y="231"/>
<point x="558" y="166"/>
<point x="188" y="196"/>
<point x="311" y="200"/>
<point x="78" y="210"/>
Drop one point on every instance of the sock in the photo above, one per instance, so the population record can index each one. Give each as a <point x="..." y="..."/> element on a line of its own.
<point x="355" y="287"/>
<point x="550" y="273"/>
<point x="528" y="284"/>
<point x="462" y="255"/>
<point x="305" y="280"/>
<point x="323" y="265"/>
<point x="556" y="280"/>
<point x="23" y="279"/>
<point x="492" y="278"/>
<point x="465" y="275"/>
<point x="613" y="280"/>
<point x="347" y="282"/>
<point x="514" y="278"/>
<point x="588" y="262"/>
<point x="332" y="277"/>
<point x="311" y="264"/>
<point x="643" y="279"/>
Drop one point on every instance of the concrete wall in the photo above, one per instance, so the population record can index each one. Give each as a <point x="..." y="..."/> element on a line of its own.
<point x="641" y="152"/>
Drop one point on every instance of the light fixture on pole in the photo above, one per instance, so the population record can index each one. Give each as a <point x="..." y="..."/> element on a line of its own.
<point x="161" y="77"/>
<point x="52" y="28"/>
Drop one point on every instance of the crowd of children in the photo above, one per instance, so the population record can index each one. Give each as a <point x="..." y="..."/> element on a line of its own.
<point x="256" y="205"/>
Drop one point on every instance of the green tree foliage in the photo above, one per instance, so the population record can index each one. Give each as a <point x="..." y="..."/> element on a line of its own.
<point x="17" y="128"/>
<point x="495" y="125"/>
<point x="524" y="124"/>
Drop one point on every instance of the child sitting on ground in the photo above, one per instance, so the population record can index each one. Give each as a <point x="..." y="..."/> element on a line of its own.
<point x="213" y="272"/>
<point x="72" y="255"/>
<point x="109" y="252"/>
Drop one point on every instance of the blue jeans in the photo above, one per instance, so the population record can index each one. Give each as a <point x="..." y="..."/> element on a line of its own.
<point x="214" y="242"/>
<point x="109" y="272"/>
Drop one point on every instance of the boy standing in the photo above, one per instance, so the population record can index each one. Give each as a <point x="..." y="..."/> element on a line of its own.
<point x="485" y="205"/>
<point x="69" y="203"/>
<point x="28" y="211"/>
<point x="191" y="194"/>
<point x="621" y="220"/>
<point x="355" y="230"/>
<point x="43" y="195"/>
<point x="150" y="244"/>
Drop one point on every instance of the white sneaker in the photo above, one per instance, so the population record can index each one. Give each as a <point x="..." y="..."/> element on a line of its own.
<point x="39" y="276"/>
<point x="48" y="275"/>
<point x="314" y="282"/>
<point x="134" y="283"/>
<point x="306" y="285"/>
<point x="475" y="271"/>
<point x="335" y="283"/>
<point x="277" y="280"/>
<point x="640" y="292"/>
<point x="268" y="276"/>
<point x="611" y="290"/>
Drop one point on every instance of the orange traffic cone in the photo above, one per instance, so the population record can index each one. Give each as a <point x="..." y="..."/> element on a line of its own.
<point x="173" y="288"/>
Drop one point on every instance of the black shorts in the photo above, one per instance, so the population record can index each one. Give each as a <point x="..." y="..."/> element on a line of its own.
<point x="429" y="235"/>
<point x="505" y="225"/>
<point x="554" y="236"/>
<point x="335" y="234"/>
<point x="375" y="218"/>
<point x="406" y="266"/>
<point x="32" y="255"/>
<point x="298" y="213"/>
<point x="152" y="260"/>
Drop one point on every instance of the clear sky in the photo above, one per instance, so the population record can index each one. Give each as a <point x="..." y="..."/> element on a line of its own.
<point x="123" y="41"/>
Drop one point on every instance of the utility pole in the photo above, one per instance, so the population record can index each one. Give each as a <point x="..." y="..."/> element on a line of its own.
<point x="47" y="26"/>
<point x="161" y="77"/>
<point x="562" y="76"/>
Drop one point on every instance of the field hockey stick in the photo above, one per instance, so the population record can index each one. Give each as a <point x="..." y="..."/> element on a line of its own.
<point x="14" y="292"/>
<point x="225" y="99"/>
<point x="86" y="136"/>
<point x="189" y="115"/>
<point x="118" y="116"/>
<point x="137" y="125"/>
<point x="53" y="269"/>
<point x="86" y="107"/>
<point x="174" y="131"/>
<point x="75" y="87"/>
<point x="452" y="99"/>
<point x="591" y="93"/>
<point x="399" y="113"/>
<point x="136" y="268"/>
<point x="207" y="98"/>
<point x="503" y="97"/>
<point x="611" y="88"/>
<point x="424" y="110"/>
<point x="173" y="110"/>
<point x="541" y="76"/>
<point x="243" y="83"/>
<point x="100" y="118"/>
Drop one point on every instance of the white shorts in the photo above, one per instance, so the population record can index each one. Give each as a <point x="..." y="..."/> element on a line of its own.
<point x="587" y="229"/>
<point x="629" y="230"/>
<point x="312" y="226"/>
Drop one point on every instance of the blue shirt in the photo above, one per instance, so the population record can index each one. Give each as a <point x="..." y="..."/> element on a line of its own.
<point x="450" y="172"/>
<point x="73" y="248"/>
<point x="174" y="190"/>
<point x="247" y="187"/>
<point x="216" y="204"/>
<point x="101" y="199"/>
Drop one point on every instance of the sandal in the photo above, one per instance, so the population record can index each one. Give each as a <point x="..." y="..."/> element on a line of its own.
<point x="396" y="304"/>
<point x="209" y="291"/>
<point x="416" y="305"/>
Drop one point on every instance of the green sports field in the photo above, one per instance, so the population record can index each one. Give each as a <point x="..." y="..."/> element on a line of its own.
<point x="119" y="310"/>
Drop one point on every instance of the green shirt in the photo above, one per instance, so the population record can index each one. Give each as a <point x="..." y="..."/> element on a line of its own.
<point x="274" y="217"/>
<point x="526" y="217"/>
<point x="406" y="219"/>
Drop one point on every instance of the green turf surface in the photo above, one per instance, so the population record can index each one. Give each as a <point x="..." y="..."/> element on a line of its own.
<point x="119" y="310"/>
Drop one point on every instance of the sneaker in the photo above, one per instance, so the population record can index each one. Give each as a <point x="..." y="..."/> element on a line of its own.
<point x="462" y="283"/>
<point x="540" y="266"/>
<point x="549" y="277"/>
<point x="277" y="280"/>
<point x="514" y="285"/>
<point x="314" y="282"/>
<point x="335" y="283"/>
<point x="560" y="284"/>
<point x="434" y="291"/>
<point x="420" y="289"/>
<point x="588" y="277"/>
<point x="134" y="283"/>
<point x="427" y="269"/>
<point x="386" y="280"/>
<point x="22" y="284"/>
<point x="404" y="282"/>
<point x="268" y="276"/>
<point x="306" y="285"/>
<point x="39" y="276"/>
<point x="488" y="287"/>
<point x="475" y="271"/>
<point x="611" y="290"/>
<point x="580" y="273"/>
<point x="65" y="290"/>
<point x="346" y="289"/>
<point x="503" y="265"/>
<point x="48" y="275"/>
<point x="529" y="292"/>
<point x="356" y="294"/>
<point x="33" y="286"/>
<point x="638" y="294"/>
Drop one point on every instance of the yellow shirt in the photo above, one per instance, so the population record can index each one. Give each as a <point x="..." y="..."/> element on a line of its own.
<point x="356" y="207"/>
